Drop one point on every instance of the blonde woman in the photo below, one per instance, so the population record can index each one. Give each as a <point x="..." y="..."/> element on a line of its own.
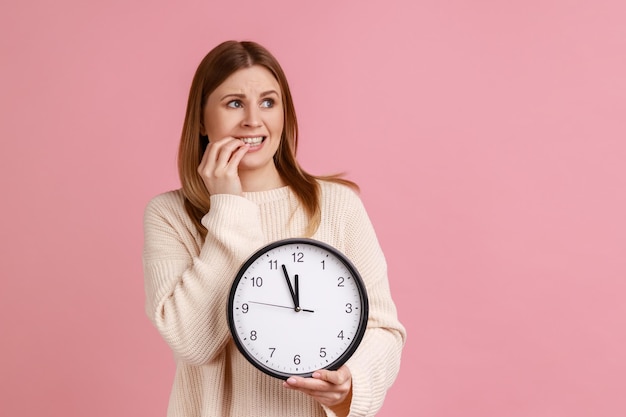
<point x="242" y="188"/>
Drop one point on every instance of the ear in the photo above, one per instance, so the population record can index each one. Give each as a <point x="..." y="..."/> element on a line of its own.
<point x="202" y="129"/>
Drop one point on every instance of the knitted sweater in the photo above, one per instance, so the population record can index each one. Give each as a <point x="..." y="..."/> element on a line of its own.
<point x="187" y="281"/>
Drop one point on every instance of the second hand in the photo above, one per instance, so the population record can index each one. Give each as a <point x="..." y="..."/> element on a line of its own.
<point x="276" y="305"/>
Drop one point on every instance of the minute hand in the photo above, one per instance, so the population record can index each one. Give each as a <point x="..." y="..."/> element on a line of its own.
<point x="297" y="291"/>
<point x="296" y="305"/>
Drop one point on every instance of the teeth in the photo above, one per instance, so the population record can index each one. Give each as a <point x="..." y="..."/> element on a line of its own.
<point x="253" y="141"/>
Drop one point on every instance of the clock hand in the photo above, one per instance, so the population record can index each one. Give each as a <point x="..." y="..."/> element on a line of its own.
<point x="276" y="305"/>
<point x="268" y="304"/>
<point x="297" y="292"/>
<point x="293" y="294"/>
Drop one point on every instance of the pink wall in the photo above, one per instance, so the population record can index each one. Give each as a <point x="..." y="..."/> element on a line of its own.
<point x="489" y="138"/>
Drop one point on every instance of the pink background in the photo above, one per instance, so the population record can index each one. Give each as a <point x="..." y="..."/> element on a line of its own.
<point x="489" y="138"/>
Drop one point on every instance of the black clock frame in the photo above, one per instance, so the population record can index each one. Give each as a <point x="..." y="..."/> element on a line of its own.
<point x="362" y="295"/>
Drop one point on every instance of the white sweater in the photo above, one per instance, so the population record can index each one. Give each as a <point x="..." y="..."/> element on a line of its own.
<point x="187" y="281"/>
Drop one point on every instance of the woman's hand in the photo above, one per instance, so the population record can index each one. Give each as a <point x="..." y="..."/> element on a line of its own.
<point x="330" y="388"/>
<point x="219" y="166"/>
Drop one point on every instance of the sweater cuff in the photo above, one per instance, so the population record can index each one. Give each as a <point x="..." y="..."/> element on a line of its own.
<point x="328" y="411"/>
<point x="362" y="393"/>
<point x="233" y="222"/>
<point x="228" y="206"/>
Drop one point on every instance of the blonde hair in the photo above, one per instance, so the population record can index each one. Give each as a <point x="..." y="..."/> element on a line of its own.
<point x="213" y="70"/>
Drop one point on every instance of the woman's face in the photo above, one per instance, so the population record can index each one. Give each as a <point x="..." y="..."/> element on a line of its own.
<point x="247" y="106"/>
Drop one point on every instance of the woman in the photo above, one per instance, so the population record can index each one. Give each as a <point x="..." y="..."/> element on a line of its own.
<point x="242" y="188"/>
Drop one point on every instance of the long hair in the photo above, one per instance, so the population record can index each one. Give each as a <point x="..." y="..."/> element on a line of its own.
<point x="214" y="69"/>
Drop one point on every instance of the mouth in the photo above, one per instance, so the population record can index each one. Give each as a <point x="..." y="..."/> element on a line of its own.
<point x="253" y="141"/>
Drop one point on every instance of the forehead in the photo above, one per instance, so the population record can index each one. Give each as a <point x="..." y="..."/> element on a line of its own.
<point x="252" y="80"/>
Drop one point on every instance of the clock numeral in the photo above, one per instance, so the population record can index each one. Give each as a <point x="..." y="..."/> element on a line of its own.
<point x="322" y="352"/>
<point x="340" y="335"/>
<point x="323" y="264"/>
<point x="273" y="264"/>
<point x="296" y="360"/>
<point x="257" y="281"/>
<point x="348" y="308"/>
<point x="298" y="257"/>
<point x="253" y="335"/>
<point x="340" y="281"/>
<point x="244" y="308"/>
<point x="273" y="350"/>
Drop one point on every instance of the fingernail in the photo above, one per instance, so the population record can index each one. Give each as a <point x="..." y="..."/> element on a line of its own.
<point x="291" y="380"/>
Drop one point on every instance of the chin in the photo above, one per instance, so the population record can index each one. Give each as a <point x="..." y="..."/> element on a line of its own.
<point x="250" y="163"/>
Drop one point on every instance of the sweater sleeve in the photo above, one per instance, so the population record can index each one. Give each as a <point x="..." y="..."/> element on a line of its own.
<point x="376" y="363"/>
<point x="187" y="283"/>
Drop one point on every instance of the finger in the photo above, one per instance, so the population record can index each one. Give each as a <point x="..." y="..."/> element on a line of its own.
<point x="324" y="392"/>
<point x="219" y="166"/>
<point x="204" y="159"/>
<point x="214" y="148"/>
<point x="293" y="381"/>
<point x="224" y="151"/>
<point x="238" y="155"/>
<point x="304" y="384"/>
<point x="217" y="157"/>
<point x="308" y="385"/>
<point x="338" y="377"/>
<point x="210" y="153"/>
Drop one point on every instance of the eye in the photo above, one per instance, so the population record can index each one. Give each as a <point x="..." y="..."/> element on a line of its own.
<point x="267" y="103"/>
<point x="235" y="104"/>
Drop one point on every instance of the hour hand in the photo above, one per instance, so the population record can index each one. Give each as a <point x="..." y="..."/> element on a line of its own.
<point x="294" y="294"/>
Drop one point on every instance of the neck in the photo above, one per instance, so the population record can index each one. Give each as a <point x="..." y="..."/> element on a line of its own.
<point x="252" y="181"/>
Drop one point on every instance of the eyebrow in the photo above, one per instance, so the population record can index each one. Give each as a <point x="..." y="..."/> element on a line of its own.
<point x="263" y="94"/>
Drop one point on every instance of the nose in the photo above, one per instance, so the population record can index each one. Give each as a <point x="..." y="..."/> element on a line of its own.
<point x="252" y="117"/>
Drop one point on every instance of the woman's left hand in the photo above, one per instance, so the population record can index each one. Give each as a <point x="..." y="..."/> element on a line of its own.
<point x="330" y="388"/>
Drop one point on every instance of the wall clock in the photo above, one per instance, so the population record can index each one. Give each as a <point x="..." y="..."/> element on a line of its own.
<point x="296" y="306"/>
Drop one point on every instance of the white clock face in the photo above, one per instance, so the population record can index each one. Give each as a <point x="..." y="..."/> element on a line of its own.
<point x="297" y="306"/>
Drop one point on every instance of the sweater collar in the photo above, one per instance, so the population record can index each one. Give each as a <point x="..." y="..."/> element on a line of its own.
<point x="281" y="193"/>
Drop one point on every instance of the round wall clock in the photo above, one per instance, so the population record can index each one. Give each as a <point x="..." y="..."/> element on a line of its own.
<point x="297" y="306"/>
